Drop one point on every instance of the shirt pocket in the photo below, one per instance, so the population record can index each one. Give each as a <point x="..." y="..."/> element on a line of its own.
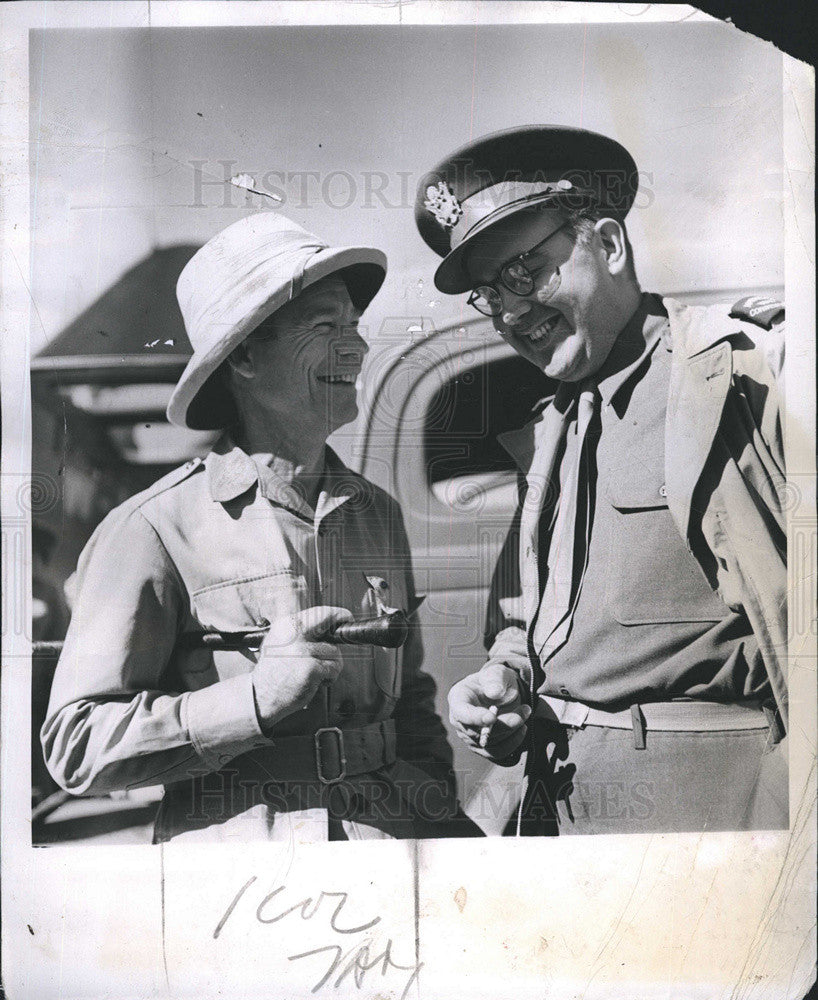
<point x="651" y="577"/>
<point x="242" y="605"/>
<point x="253" y="602"/>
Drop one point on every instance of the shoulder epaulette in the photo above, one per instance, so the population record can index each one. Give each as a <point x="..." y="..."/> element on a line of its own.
<point x="173" y="478"/>
<point x="762" y="310"/>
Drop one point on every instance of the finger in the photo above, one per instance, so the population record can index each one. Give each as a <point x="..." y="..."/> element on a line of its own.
<point x="514" y="719"/>
<point x="498" y="683"/>
<point x="468" y="738"/>
<point x="282" y="632"/>
<point x="468" y="735"/>
<point x="323" y="674"/>
<point x="329" y="669"/>
<point x="334" y="667"/>
<point x="463" y="714"/>
<point x="324" y="651"/>
<point x="318" y="622"/>
<point x="485" y="731"/>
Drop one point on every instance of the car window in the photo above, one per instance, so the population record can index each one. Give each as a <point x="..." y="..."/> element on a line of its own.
<point x="469" y="410"/>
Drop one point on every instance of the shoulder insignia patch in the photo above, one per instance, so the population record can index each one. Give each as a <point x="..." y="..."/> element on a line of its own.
<point x="762" y="310"/>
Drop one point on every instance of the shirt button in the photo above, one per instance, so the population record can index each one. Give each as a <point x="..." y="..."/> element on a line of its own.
<point x="663" y="491"/>
<point x="565" y="692"/>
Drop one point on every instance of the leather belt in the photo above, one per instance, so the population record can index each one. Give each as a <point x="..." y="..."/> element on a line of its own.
<point x="667" y="716"/>
<point x="331" y="754"/>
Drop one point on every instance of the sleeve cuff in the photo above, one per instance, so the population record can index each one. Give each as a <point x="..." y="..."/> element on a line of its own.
<point x="222" y="720"/>
<point x="510" y="648"/>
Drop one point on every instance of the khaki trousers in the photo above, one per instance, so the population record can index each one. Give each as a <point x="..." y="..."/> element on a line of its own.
<point x="594" y="780"/>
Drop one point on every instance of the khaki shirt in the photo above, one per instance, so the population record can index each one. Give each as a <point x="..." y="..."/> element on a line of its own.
<point x="723" y="482"/>
<point x="214" y="545"/>
<point x="646" y="626"/>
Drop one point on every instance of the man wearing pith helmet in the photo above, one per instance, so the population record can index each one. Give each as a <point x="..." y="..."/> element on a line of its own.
<point x="293" y="737"/>
<point x="636" y="628"/>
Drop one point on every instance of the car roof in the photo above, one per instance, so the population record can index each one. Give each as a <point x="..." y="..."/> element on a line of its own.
<point x="132" y="333"/>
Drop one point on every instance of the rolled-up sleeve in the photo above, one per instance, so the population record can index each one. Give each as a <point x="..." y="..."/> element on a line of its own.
<point x="113" y="720"/>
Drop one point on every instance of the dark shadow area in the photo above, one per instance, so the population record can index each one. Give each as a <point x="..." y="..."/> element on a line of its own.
<point x="466" y="414"/>
<point x="59" y="831"/>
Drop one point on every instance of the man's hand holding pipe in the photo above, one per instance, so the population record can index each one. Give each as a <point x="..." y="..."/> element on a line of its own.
<point x="295" y="658"/>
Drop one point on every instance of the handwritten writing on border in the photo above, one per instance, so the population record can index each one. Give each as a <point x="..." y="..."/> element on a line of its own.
<point x="356" y="961"/>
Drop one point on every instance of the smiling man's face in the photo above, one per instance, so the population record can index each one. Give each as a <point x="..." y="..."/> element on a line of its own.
<point x="567" y="333"/>
<point x="307" y="357"/>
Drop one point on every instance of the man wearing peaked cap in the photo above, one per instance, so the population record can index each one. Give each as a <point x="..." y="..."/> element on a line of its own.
<point x="290" y="736"/>
<point x="497" y="176"/>
<point x="636" y="628"/>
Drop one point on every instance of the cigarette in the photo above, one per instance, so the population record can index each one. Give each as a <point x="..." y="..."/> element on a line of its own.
<point x="485" y="732"/>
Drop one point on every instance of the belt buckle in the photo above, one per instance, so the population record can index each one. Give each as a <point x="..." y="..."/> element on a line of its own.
<point x="320" y="750"/>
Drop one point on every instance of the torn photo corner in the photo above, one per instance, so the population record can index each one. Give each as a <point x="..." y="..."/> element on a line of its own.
<point x="408" y="503"/>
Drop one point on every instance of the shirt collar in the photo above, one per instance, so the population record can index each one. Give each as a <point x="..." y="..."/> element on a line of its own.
<point x="233" y="472"/>
<point x="635" y="343"/>
<point x="230" y="470"/>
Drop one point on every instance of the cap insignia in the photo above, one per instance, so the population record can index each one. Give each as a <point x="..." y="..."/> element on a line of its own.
<point x="441" y="201"/>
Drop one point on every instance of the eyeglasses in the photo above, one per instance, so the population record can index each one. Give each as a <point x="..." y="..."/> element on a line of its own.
<point x="516" y="276"/>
